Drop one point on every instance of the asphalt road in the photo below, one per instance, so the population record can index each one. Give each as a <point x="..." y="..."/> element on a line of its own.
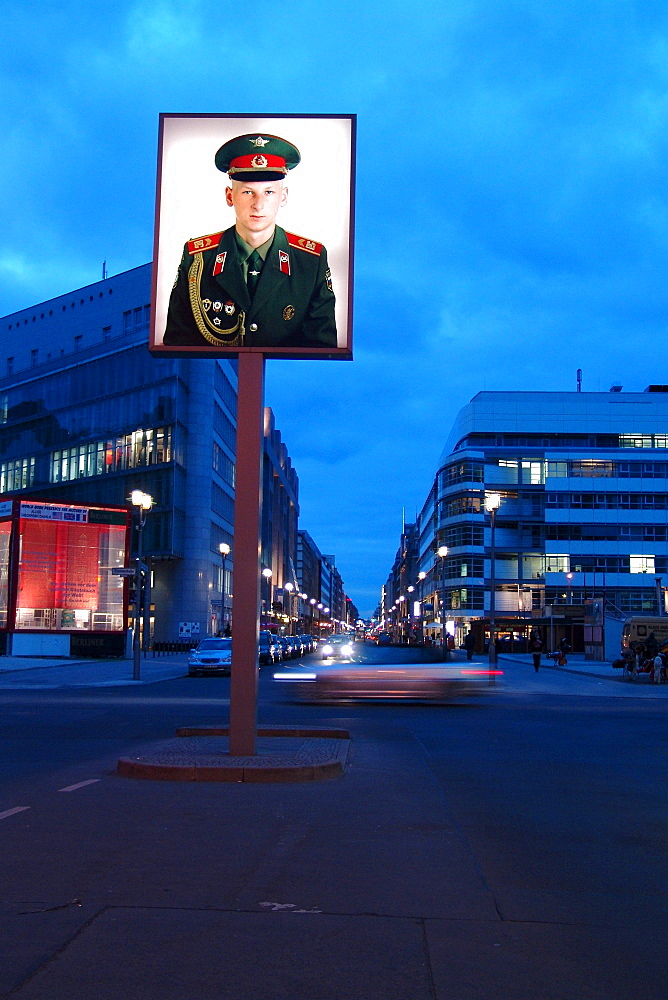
<point x="509" y="849"/>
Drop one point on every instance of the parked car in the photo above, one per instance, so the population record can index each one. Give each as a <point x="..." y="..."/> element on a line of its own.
<point x="269" y="650"/>
<point x="286" y="648"/>
<point x="308" y="642"/>
<point x="294" y="646"/>
<point x="299" y="646"/>
<point x="212" y="656"/>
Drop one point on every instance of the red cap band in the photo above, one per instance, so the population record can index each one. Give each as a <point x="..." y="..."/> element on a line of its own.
<point x="258" y="161"/>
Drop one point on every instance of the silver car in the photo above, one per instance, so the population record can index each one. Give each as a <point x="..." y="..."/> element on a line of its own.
<point x="212" y="656"/>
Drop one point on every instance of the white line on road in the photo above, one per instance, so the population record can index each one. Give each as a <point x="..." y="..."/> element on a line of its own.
<point x="12" y="812"/>
<point x="81" y="784"/>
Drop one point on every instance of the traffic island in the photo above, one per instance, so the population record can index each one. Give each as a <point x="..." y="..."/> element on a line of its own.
<point x="282" y="754"/>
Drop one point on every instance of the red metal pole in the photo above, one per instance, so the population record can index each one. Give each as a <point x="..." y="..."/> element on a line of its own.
<point x="247" y="500"/>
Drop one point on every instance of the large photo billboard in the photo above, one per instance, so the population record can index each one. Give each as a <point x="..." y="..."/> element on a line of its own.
<point x="254" y="236"/>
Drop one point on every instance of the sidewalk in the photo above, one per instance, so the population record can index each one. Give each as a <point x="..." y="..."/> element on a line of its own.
<point x="53" y="672"/>
<point x="576" y="664"/>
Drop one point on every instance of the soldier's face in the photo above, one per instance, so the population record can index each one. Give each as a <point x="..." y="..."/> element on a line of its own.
<point x="256" y="204"/>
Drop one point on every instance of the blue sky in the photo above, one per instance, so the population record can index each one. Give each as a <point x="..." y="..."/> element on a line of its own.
<point x="512" y="222"/>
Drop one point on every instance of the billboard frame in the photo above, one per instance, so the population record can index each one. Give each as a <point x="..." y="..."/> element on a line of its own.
<point x="182" y="196"/>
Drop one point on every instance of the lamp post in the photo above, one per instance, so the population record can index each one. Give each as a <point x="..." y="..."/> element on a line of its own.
<point x="442" y="552"/>
<point x="422" y="576"/>
<point x="266" y="573"/>
<point x="289" y="587"/>
<point x="143" y="502"/>
<point x="224" y="550"/>
<point x="410" y="590"/>
<point x="569" y="577"/>
<point x="492" y="504"/>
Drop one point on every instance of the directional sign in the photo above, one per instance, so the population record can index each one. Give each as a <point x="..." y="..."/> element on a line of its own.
<point x="123" y="571"/>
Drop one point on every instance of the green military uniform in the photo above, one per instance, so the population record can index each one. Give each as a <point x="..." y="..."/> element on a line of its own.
<point x="292" y="306"/>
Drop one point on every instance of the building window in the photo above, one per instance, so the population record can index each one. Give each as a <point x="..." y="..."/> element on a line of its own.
<point x="34" y="354"/>
<point x="642" y="564"/>
<point x="17" y="475"/>
<point x="131" y="451"/>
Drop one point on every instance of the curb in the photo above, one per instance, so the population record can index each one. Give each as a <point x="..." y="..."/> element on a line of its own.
<point x="201" y="754"/>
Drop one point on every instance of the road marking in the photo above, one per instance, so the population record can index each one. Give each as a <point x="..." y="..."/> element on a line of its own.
<point x="81" y="784"/>
<point x="12" y="812"/>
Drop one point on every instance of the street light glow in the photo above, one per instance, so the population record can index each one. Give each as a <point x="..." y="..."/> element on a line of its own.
<point x="492" y="502"/>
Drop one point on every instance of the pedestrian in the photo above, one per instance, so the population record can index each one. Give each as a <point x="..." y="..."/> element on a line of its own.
<point x="564" y="648"/>
<point x="469" y="644"/>
<point x="657" y="672"/>
<point x="536" y="648"/>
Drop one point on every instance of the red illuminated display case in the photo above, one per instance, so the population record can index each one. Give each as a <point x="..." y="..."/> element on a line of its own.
<point x="58" y="592"/>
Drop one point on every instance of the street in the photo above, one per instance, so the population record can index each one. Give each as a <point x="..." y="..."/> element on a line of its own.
<point x="511" y="848"/>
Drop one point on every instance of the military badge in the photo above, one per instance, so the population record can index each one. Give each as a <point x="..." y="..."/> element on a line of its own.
<point x="259" y="141"/>
<point x="217" y="306"/>
<point x="229" y="308"/>
<point x="284" y="261"/>
<point x="217" y="320"/>
<point x="288" y="313"/>
<point x="259" y="161"/>
<point x="219" y="263"/>
<point x="328" y="279"/>
<point x="206" y="304"/>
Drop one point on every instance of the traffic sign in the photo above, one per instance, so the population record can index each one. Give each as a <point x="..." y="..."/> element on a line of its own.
<point x="123" y="571"/>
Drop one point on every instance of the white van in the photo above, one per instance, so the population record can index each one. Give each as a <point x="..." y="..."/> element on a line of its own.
<point x="640" y="629"/>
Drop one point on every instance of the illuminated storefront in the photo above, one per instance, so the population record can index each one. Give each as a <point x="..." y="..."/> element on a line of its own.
<point x="59" y="593"/>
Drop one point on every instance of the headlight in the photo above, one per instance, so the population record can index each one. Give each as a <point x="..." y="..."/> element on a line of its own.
<point x="327" y="650"/>
<point x="347" y="650"/>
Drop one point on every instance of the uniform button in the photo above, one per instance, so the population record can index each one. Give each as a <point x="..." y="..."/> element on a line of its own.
<point x="253" y="327"/>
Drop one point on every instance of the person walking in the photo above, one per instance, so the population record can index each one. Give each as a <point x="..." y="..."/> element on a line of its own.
<point x="536" y="648"/>
<point x="469" y="644"/>
<point x="564" y="648"/>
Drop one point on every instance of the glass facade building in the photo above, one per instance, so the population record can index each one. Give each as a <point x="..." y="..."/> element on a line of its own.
<point x="583" y="517"/>
<point x="87" y="416"/>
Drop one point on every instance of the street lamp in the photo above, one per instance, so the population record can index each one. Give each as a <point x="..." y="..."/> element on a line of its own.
<point x="492" y="504"/>
<point x="289" y="587"/>
<point x="442" y="552"/>
<point x="143" y="502"/>
<point x="266" y="573"/>
<point x="224" y="550"/>
<point x="569" y="577"/>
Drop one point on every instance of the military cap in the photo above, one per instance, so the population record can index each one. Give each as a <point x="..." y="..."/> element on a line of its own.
<point x="257" y="158"/>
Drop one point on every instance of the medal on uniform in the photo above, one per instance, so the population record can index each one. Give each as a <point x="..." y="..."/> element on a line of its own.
<point x="229" y="308"/>
<point x="219" y="263"/>
<point x="217" y="306"/>
<point x="288" y="313"/>
<point x="284" y="261"/>
<point x="206" y="304"/>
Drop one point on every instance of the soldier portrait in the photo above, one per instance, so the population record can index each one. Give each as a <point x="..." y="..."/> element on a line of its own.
<point x="254" y="283"/>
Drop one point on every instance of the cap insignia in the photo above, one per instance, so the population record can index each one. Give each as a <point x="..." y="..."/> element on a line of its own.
<point x="259" y="141"/>
<point x="259" y="161"/>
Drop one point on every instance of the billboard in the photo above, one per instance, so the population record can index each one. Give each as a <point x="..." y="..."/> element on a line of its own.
<point x="253" y="236"/>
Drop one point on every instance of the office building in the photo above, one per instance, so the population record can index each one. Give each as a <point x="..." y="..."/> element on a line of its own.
<point x="87" y="416"/>
<point x="582" y="526"/>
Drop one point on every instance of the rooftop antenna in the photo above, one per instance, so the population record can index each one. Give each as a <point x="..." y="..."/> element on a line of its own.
<point x="104" y="269"/>
<point x="579" y="378"/>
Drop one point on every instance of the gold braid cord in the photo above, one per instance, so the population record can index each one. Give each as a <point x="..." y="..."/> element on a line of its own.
<point x="233" y="337"/>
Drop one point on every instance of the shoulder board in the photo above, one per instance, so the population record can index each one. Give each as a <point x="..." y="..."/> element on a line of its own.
<point x="204" y="243"/>
<point x="310" y="246"/>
